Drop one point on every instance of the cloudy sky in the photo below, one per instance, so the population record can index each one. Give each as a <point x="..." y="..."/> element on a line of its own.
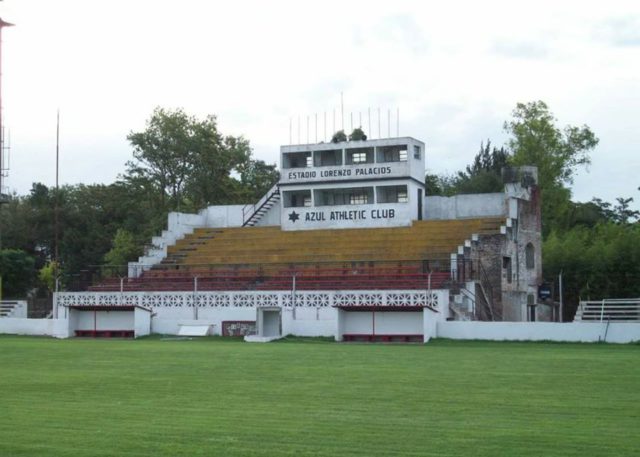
<point x="455" y="70"/>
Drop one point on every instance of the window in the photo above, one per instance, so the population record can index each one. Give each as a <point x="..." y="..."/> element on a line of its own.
<point x="416" y="152"/>
<point x="346" y="196"/>
<point x="506" y="266"/>
<point x="297" y="160"/>
<point x="392" y="194"/>
<point x="328" y="158"/>
<point x="529" y="255"/>
<point x="358" y="199"/>
<point x="297" y="198"/>
<point x="359" y="157"/>
<point x="392" y="154"/>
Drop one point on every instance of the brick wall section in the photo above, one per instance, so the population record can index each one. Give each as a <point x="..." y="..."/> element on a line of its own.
<point x="510" y="297"/>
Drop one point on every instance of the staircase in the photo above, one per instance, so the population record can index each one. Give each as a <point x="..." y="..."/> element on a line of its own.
<point x="12" y="309"/>
<point x="251" y="214"/>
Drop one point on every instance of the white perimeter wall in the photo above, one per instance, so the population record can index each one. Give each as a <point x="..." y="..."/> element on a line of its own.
<point x="58" y="328"/>
<point x="583" y="332"/>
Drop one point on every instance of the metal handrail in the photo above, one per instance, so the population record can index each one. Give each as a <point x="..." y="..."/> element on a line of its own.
<point x="254" y="208"/>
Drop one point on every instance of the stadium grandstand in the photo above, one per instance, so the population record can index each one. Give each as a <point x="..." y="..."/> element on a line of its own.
<point x="346" y="244"/>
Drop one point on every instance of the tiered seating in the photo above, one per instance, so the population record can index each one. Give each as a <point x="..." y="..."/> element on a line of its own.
<point x="264" y="245"/>
<point x="267" y="258"/>
<point x="318" y="278"/>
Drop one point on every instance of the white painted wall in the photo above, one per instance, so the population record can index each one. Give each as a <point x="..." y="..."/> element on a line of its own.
<point x="142" y="322"/>
<point x="103" y="320"/>
<point x="58" y="328"/>
<point x="222" y="216"/>
<point x="539" y="331"/>
<point x="399" y="323"/>
<point x="309" y="321"/>
<point x="465" y="206"/>
<point x="165" y="320"/>
<point x="358" y="322"/>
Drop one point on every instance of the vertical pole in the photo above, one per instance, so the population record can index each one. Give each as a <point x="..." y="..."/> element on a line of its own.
<point x="379" y="131"/>
<point x="195" y="297"/>
<point x="2" y="165"/>
<point x="316" y="115"/>
<point x="334" y="121"/>
<point x="388" y="123"/>
<point x="373" y="324"/>
<point x="561" y="300"/>
<point x="290" y="131"/>
<point x="369" y="113"/>
<point x="57" y="203"/>
<point x="398" y="123"/>
<point x="293" y="297"/>
<point x="325" y="127"/>
<point x="342" y="110"/>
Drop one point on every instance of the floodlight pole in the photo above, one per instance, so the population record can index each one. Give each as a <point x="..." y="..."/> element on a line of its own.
<point x="3" y="24"/>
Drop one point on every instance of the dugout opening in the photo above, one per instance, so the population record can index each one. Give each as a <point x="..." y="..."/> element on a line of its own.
<point x="381" y="324"/>
<point x="109" y="321"/>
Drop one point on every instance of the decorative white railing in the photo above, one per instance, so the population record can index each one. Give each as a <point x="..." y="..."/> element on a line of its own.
<point x="612" y="310"/>
<point x="403" y="298"/>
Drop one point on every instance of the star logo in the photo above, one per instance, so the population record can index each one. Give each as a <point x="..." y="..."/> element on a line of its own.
<point x="293" y="216"/>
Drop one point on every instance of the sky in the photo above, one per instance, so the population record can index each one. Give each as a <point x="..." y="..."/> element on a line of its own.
<point x="453" y="70"/>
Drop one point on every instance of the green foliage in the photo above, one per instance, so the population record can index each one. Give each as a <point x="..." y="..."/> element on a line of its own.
<point x="186" y="162"/>
<point x="47" y="275"/>
<point x="124" y="249"/>
<point x="599" y="262"/>
<point x="258" y="177"/>
<point x="357" y="135"/>
<point x="194" y="398"/>
<point x="536" y="140"/>
<point x="483" y="175"/>
<point x="17" y="273"/>
<point x="441" y="185"/>
<point x="339" y="137"/>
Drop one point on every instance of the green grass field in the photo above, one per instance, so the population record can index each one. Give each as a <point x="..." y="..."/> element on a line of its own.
<point x="220" y="397"/>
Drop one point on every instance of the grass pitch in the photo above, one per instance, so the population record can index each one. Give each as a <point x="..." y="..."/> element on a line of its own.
<point x="221" y="397"/>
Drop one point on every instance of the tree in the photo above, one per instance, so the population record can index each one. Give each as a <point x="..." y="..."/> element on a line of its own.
<point x="47" y="275"/>
<point x="258" y="177"/>
<point x="536" y="140"/>
<point x="186" y="160"/>
<point x="17" y="273"/>
<point x="124" y="249"/>
<point x="622" y="214"/>
<point x="339" y="137"/>
<point x="484" y="175"/>
<point x="357" y="135"/>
